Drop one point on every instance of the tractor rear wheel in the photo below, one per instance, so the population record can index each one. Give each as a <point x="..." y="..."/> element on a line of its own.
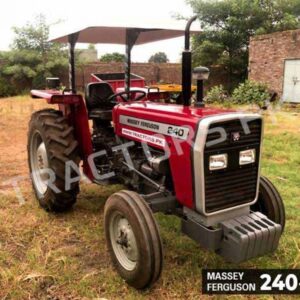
<point x="133" y="239"/>
<point x="51" y="144"/>
<point x="270" y="202"/>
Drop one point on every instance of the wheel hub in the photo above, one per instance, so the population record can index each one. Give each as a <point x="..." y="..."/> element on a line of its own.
<point x="122" y="239"/>
<point x="124" y="242"/>
<point x="39" y="163"/>
<point x="42" y="156"/>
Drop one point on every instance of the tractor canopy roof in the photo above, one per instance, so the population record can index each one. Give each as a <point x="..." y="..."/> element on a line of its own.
<point x="115" y="33"/>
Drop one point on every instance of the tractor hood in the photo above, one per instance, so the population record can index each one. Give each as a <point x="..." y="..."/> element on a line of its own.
<point x="166" y="113"/>
<point x="169" y="127"/>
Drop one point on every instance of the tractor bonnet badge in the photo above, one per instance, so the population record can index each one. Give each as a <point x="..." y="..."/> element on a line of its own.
<point x="235" y="136"/>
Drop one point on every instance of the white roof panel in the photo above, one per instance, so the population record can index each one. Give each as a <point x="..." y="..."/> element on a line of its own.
<point x="116" y="33"/>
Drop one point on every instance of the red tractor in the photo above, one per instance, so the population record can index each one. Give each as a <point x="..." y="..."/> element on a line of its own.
<point x="200" y="164"/>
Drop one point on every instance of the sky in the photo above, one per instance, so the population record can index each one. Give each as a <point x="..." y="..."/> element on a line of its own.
<point x="18" y="13"/>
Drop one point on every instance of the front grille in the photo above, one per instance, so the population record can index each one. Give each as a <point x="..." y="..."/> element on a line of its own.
<point x="235" y="185"/>
<point x="231" y="127"/>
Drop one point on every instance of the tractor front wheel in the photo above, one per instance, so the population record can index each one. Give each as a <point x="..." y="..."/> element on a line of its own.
<point x="51" y="145"/>
<point x="133" y="239"/>
<point x="270" y="202"/>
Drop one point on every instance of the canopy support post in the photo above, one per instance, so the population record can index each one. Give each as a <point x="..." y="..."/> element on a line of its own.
<point x="72" y="39"/>
<point x="131" y="37"/>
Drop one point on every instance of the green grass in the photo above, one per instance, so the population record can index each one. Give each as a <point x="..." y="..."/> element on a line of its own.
<point x="45" y="256"/>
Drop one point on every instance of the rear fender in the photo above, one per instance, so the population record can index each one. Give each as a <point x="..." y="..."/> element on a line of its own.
<point x="73" y="108"/>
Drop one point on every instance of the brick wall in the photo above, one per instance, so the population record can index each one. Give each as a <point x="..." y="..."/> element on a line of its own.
<point x="170" y="73"/>
<point x="267" y="55"/>
<point x="153" y="73"/>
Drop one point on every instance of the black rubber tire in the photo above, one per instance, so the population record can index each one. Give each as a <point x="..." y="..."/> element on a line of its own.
<point x="61" y="147"/>
<point x="270" y="202"/>
<point x="150" y="254"/>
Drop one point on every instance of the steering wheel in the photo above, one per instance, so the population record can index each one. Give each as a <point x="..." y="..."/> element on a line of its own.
<point x="128" y="98"/>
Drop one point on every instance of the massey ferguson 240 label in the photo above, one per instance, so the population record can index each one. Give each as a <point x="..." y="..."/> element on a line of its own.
<point x="162" y="128"/>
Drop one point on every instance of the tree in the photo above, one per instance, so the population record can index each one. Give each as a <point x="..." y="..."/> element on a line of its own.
<point x="92" y="47"/>
<point x="32" y="58"/>
<point x="6" y="89"/>
<point x="159" y="57"/>
<point x="112" y="57"/>
<point x="228" y="25"/>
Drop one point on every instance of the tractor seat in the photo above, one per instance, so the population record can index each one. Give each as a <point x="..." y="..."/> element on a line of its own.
<point x="97" y="101"/>
<point x="99" y="113"/>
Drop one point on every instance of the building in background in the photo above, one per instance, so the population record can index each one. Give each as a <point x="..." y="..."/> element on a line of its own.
<point x="274" y="59"/>
<point x="88" y="55"/>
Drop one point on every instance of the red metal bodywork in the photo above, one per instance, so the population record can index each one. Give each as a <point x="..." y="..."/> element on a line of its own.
<point x="117" y="81"/>
<point x="179" y="150"/>
<point x="73" y="107"/>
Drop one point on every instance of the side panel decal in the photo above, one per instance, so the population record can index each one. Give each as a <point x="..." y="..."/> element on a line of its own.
<point x="144" y="137"/>
<point x="178" y="132"/>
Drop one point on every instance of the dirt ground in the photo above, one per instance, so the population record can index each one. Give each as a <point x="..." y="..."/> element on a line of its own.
<point x="46" y="256"/>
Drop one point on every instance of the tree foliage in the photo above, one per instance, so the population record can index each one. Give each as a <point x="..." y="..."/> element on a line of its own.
<point x="32" y="58"/>
<point x="217" y="94"/>
<point x="158" y="58"/>
<point x="248" y="92"/>
<point x="112" y="57"/>
<point x="228" y="25"/>
<point x="251" y="92"/>
<point x="91" y="47"/>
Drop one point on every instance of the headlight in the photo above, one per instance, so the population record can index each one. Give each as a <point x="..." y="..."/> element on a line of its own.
<point x="218" y="162"/>
<point x="247" y="157"/>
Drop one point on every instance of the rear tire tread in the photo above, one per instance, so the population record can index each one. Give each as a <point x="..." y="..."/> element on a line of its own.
<point x="61" y="147"/>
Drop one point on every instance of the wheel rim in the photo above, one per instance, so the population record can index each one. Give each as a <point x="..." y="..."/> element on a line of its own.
<point x="123" y="241"/>
<point x="39" y="163"/>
